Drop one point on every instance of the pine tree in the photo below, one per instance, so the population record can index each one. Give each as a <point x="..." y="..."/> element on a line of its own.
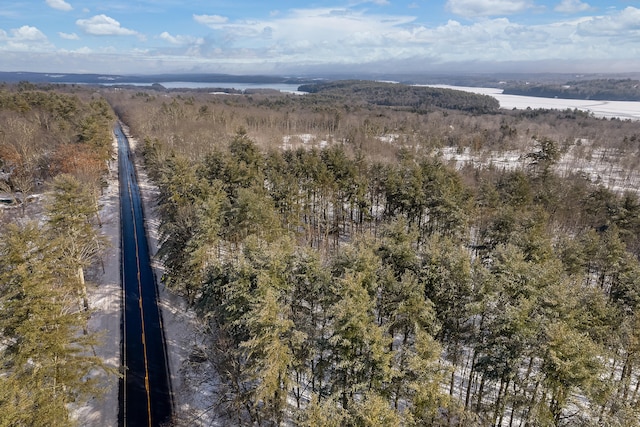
<point x="423" y="376"/>
<point x="447" y="283"/>
<point x="570" y="363"/>
<point x="69" y="221"/>
<point x="45" y="353"/>
<point x="360" y="360"/>
<point x="268" y="351"/>
<point x="373" y="410"/>
<point x="323" y="413"/>
<point x="310" y="301"/>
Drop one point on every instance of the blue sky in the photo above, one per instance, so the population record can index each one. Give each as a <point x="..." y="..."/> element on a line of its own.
<point x="289" y="37"/>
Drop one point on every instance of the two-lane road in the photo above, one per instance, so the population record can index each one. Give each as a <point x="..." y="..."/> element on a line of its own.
<point x="145" y="389"/>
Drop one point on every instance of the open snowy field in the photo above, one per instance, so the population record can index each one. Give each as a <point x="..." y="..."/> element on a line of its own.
<point x="609" y="109"/>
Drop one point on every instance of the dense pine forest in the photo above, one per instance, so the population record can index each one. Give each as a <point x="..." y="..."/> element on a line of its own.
<point x="358" y="256"/>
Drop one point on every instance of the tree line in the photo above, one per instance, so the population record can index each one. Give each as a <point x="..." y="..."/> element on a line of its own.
<point x="596" y="89"/>
<point x="192" y="123"/>
<point x="401" y="95"/>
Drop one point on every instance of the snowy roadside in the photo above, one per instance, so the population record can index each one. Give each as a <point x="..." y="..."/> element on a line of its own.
<point x="191" y="390"/>
<point x="180" y="324"/>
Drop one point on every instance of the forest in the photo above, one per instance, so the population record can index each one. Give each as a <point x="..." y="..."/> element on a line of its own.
<point x="358" y="257"/>
<point x="416" y="98"/>
<point x="349" y="271"/>
<point x="54" y="145"/>
<point x="596" y="89"/>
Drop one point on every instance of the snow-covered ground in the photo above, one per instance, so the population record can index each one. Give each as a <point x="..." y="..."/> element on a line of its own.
<point x="602" y="166"/>
<point x="290" y="142"/>
<point x="105" y="301"/>
<point x="609" y="109"/>
<point x="181" y="327"/>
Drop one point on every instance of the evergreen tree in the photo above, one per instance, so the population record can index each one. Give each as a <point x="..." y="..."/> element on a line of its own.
<point x="373" y="410"/>
<point x="269" y="353"/>
<point x="311" y="300"/>
<point x="360" y="360"/>
<point x="45" y="354"/>
<point x="69" y="221"/>
<point x="447" y="282"/>
<point x="423" y="376"/>
<point x="570" y="363"/>
<point x="323" y="413"/>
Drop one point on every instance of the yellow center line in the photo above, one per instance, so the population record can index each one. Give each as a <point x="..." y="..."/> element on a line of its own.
<point x="144" y="341"/>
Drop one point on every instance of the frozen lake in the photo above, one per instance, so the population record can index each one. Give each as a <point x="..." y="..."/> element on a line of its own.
<point x="609" y="109"/>
<point x="282" y="87"/>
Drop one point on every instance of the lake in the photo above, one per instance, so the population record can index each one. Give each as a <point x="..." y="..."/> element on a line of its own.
<point x="282" y="87"/>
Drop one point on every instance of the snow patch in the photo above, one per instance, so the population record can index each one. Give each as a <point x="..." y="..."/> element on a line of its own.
<point x="291" y="141"/>
<point x="388" y="138"/>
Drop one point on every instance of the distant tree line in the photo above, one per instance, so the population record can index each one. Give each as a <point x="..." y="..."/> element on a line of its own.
<point x="596" y="89"/>
<point x="401" y="95"/>
<point x="192" y="123"/>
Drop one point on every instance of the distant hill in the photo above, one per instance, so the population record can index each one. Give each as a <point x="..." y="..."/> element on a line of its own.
<point x="66" y="78"/>
<point x="597" y="89"/>
<point x="401" y="95"/>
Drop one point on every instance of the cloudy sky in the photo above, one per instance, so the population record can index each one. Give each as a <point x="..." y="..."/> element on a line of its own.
<point x="301" y="36"/>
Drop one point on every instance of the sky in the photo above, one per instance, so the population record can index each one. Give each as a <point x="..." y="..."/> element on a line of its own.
<point x="287" y="37"/>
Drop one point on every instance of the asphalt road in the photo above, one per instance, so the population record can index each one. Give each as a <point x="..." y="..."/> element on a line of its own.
<point x="145" y="389"/>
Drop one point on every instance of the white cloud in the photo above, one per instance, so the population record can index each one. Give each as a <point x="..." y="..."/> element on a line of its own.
<point x="212" y="21"/>
<point x="103" y="25"/>
<point x="168" y="37"/>
<point x="325" y="26"/>
<point x="571" y="6"/>
<point x="67" y="36"/>
<point x="84" y="50"/>
<point x="25" y="38"/>
<point x="60" y="5"/>
<point x="348" y="36"/>
<point x="27" y="33"/>
<point x="623" y="24"/>
<point x="477" y="8"/>
<point x="180" y="40"/>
